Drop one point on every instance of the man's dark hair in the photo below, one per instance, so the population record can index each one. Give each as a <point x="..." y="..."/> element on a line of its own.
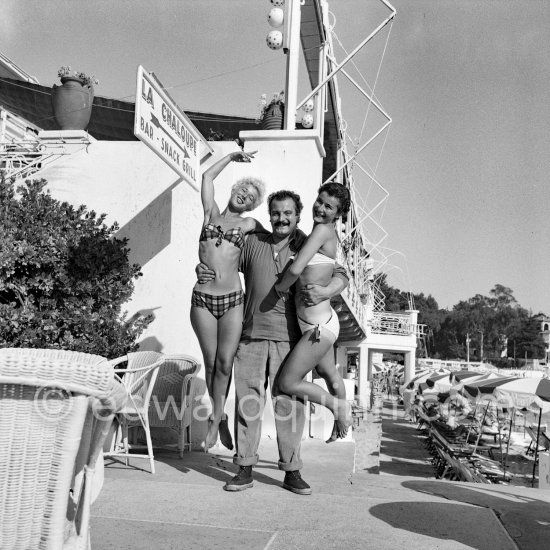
<point x="339" y="191"/>
<point x="283" y="195"/>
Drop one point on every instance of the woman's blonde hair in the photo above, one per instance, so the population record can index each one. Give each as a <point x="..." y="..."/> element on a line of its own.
<point x="257" y="183"/>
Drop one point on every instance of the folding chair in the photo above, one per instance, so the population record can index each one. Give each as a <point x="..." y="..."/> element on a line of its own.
<point x="544" y="442"/>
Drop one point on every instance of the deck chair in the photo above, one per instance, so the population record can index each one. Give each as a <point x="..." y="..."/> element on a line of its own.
<point x="138" y="377"/>
<point x="544" y="441"/>
<point x="56" y="408"/>
<point x="172" y="397"/>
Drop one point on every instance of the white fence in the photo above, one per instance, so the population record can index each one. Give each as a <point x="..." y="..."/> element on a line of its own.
<point x="384" y="322"/>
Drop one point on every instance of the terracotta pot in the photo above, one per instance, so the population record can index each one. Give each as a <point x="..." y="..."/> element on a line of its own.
<point x="72" y="103"/>
<point x="273" y="118"/>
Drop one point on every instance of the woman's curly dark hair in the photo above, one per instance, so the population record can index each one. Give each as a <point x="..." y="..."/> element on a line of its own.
<point x="335" y="189"/>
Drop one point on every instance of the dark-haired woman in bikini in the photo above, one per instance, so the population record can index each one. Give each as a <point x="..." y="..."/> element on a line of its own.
<point x="217" y="306"/>
<point x="314" y="263"/>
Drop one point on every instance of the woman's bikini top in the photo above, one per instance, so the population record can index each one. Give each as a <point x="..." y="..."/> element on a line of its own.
<point x="319" y="258"/>
<point x="234" y="236"/>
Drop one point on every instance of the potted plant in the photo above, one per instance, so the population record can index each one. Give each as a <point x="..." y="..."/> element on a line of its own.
<point x="272" y="114"/>
<point x="72" y="101"/>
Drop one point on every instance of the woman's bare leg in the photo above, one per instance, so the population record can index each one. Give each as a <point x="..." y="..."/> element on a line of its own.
<point x="205" y="326"/>
<point x="305" y="355"/>
<point x="229" y="334"/>
<point x="335" y="384"/>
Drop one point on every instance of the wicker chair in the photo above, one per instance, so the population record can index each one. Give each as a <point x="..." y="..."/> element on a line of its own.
<point x="138" y="377"/>
<point x="172" y="398"/>
<point x="56" y="408"/>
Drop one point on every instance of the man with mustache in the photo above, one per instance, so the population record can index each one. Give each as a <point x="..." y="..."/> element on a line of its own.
<point x="270" y="329"/>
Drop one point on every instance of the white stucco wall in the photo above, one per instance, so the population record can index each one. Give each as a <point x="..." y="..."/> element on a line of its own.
<point x="158" y="212"/>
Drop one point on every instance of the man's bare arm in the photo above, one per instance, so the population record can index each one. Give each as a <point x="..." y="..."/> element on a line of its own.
<point x="313" y="294"/>
<point x="204" y="273"/>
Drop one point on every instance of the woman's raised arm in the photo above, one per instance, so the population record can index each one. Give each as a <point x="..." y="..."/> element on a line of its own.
<point x="209" y="205"/>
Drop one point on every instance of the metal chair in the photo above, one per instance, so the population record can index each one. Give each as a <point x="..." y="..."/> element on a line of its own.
<point x="138" y="377"/>
<point x="56" y="408"/>
<point x="172" y="399"/>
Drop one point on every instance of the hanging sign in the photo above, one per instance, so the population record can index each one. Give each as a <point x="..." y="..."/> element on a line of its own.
<point x="161" y="125"/>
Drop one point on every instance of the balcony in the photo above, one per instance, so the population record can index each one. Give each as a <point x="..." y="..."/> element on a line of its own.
<point x="399" y="324"/>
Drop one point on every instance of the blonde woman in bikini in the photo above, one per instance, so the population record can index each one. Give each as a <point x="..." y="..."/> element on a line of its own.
<point x="314" y="264"/>
<point x="217" y="306"/>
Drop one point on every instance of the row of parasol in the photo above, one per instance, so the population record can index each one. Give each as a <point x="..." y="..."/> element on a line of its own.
<point x="485" y="390"/>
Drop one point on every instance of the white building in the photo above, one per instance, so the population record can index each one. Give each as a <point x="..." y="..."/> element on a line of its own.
<point x="109" y="170"/>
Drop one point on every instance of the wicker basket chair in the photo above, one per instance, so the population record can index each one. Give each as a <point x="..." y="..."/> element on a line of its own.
<point x="172" y="398"/>
<point x="56" y="408"/>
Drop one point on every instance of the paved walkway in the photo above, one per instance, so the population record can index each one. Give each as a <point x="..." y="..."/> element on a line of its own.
<point x="389" y="445"/>
<point x="375" y="493"/>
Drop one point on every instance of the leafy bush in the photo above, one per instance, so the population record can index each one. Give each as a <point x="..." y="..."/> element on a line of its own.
<point x="63" y="276"/>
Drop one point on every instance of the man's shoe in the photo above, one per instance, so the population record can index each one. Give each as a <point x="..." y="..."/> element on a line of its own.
<point x="243" y="480"/>
<point x="294" y="482"/>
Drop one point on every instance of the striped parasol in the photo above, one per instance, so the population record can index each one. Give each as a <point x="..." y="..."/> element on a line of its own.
<point x="478" y="388"/>
<point x="461" y="375"/>
<point x="439" y="382"/>
<point x="513" y="392"/>
<point x="525" y="393"/>
<point x="449" y="383"/>
<point x="422" y="377"/>
<point x="482" y="385"/>
<point x="528" y="393"/>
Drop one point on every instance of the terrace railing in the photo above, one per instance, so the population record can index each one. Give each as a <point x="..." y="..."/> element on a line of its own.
<point x="398" y="324"/>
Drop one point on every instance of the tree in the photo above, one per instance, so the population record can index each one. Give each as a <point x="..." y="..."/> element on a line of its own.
<point x="491" y="323"/>
<point x="431" y="316"/>
<point x="396" y="300"/>
<point x="525" y="337"/>
<point x="502" y="296"/>
<point x="64" y="277"/>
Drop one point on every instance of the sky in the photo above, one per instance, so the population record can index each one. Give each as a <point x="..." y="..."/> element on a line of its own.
<point x="467" y="156"/>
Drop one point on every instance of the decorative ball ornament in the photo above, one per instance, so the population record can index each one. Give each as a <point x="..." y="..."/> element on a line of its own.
<point x="308" y="105"/>
<point x="307" y="120"/>
<point x="275" y="17"/>
<point x="278" y="2"/>
<point x="275" y="40"/>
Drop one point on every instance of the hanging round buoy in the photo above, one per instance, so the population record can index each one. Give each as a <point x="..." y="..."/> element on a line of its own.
<point x="275" y="40"/>
<point x="276" y="17"/>
<point x="307" y="120"/>
<point x="308" y="105"/>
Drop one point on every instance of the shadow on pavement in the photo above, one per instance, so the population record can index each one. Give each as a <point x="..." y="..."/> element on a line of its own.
<point x="218" y="467"/>
<point x="447" y="521"/>
<point x="524" y="514"/>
